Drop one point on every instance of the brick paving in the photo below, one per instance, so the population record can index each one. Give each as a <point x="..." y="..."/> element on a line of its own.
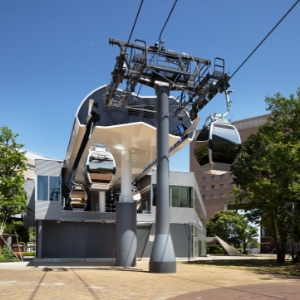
<point x="97" y="281"/>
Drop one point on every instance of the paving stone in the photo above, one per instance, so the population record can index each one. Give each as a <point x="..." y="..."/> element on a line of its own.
<point x="60" y="282"/>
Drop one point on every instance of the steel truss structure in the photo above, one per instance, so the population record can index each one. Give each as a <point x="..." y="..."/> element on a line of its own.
<point x="148" y="64"/>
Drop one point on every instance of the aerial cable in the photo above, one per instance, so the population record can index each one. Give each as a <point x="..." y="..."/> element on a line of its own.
<point x="133" y="26"/>
<point x="159" y="38"/>
<point x="265" y="38"/>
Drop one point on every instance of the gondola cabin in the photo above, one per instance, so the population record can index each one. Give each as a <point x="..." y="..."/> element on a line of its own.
<point x="217" y="147"/>
<point x="99" y="168"/>
<point x="78" y="198"/>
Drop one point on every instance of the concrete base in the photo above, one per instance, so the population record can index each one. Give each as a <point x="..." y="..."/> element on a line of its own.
<point x="126" y="244"/>
<point x="162" y="267"/>
<point x="71" y="260"/>
<point x="163" y="258"/>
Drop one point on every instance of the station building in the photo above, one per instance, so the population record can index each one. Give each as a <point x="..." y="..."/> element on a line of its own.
<point x="91" y="233"/>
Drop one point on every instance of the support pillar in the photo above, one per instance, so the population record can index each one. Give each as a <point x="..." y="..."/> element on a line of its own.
<point x="126" y="244"/>
<point x="162" y="258"/>
<point x="39" y="232"/>
<point x="102" y="201"/>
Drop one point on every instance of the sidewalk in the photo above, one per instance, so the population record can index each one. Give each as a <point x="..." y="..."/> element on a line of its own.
<point x="100" y="281"/>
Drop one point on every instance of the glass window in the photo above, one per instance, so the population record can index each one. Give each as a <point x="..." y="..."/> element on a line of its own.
<point x="201" y="149"/>
<point x="48" y="188"/>
<point x="204" y="197"/>
<point x="222" y="195"/>
<point x="154" y="194"/>
<point x="222" y="176"/>
<point x="213" y="177"/>
<point x="184" y="196"/>
<point x="213" y="187"/>
<point x="203" y="178"/>
<point x="42" y="188"/>
<point x="225" y="143"/>
<point x="54" y="189"/>
<point x="221" y="186"/>
<point x="174" y="195"/>
<point x="204" y="188"/>
<point x="232" y="184"/>
<point x="180" y="196"/>
<point x="213" y="195"/>
<point x="191" y="197"/>
<point x="231" y="175"/>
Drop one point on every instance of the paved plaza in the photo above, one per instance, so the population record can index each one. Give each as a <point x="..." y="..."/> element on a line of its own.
<point x="97" y="281"/>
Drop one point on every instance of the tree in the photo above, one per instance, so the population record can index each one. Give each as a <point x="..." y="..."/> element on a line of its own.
<point x="12" y="165"/>
<point x="267" y="171"/>
<point x="17" y="227"/>
<point x="232" y="227"/>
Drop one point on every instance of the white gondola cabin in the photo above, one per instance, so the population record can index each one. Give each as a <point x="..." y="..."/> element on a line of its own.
<point x="217" y="147"/>
<point x="99" y="168"/>
<point x="78" y="197"/>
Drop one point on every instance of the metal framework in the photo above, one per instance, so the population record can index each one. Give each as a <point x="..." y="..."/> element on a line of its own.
<point x="148" y="64"/>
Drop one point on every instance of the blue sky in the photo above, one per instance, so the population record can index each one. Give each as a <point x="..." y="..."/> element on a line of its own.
<point x="53" y="53"/>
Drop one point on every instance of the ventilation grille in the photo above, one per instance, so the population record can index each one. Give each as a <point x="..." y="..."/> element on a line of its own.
<point x="133" y="112"/>
<point x="148" y="114"/>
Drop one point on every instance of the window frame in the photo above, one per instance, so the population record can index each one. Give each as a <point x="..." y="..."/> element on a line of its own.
<point x="48" y="188"/>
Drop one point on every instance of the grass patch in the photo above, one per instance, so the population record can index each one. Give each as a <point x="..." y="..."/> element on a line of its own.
<point x="261" y="266"/>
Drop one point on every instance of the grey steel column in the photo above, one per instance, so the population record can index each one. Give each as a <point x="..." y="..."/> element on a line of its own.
<point x="39" y="249"/>
<point x="126" y="243"/>
<point x="162" y="258"/>
<point x="102" y="196"/>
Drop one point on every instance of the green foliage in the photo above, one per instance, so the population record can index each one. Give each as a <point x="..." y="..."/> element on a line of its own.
<point x="32" y="236"/>
<point x="253" y="243"/>
<point x="12" y="165"/>
<point x="6" y="253"/>
<point x="267" y="171"/>
<point x="231" y="227"/>
<point x="21" y="231"/>
<point x="28" y="253"/>
<point x="215" y="249"/>
<point x="13" y="259"/>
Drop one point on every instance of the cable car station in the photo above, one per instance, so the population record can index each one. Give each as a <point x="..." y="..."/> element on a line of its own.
<point x="119" y="200"/>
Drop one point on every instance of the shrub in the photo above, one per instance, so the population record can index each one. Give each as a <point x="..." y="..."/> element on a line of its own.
<point x="13" y="259"/>
<point x="6" y="253"/>
<point x="28" y="253"/>
<point x="240" y="249"/>
<point x="215" y="249"/>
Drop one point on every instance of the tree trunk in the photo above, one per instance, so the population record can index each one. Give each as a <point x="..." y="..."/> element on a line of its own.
<point x="281" y="251"/>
